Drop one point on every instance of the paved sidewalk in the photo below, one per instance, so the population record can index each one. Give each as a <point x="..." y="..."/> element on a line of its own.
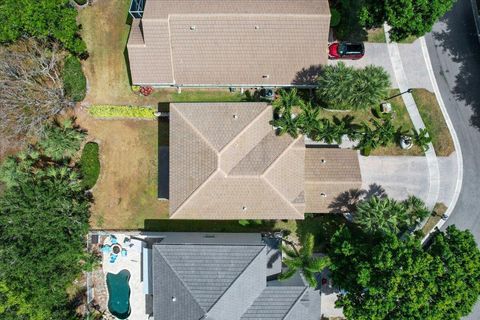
<point x="403" y="85"/>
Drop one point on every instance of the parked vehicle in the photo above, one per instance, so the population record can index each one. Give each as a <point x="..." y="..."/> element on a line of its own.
<point x="346" y="50"/>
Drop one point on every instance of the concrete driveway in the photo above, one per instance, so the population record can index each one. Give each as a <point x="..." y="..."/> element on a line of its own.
<point x="412" y="58"/>
<point x="399" y="177"/>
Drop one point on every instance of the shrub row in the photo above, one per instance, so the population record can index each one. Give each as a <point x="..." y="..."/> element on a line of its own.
<point x="90" y="165"/>
<point x="108" y="111"/>
<point x="74" y="81"/>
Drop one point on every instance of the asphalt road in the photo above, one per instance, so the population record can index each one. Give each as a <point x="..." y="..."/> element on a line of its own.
<point x="455" y="54"/>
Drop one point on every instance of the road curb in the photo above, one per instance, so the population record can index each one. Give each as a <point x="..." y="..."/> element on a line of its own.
<point x="417" y="121"/>
<point x="456" y="142"/>
<point x="476" y="17"/>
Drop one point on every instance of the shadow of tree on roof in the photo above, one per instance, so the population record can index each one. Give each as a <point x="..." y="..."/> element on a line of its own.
<point x="347" y="201"/>
<point x="307" y="76"/>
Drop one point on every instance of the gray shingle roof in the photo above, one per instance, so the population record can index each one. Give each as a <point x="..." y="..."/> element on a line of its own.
<point x="196" y="275"/>
<point x="274" y="303"/>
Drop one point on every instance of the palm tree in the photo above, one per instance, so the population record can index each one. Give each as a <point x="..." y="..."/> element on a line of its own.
<point x="381" y="215"/>
<point x="286" y="124"/>
<point x="422" y="138"/>
<point x="416" y="211"/>
<point x="328" y="132"/>
<point x="286" y="101"/>
<point x="61" y="141"/>
<point x="346" y="126"/>
<point x="368" y="139"/>
<point x="302" y="260"/>
<point x="385" y="132"/>
<point x="308" y="119"/>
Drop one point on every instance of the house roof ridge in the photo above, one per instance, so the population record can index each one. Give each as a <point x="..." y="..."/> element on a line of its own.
<point x="180" y="279"/>
<point x="172" y="105"/>
<point x="238" y="276"/>
<point x="295" y="302"/>
<point x="290" y="146"/>
<point x="170" y="49"/>
<point x="197" y="190"/>
<point x="282" y="196"/>
<point x="225" y="147"/>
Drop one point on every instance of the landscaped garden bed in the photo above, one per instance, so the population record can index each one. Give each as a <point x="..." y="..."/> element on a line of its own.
<point x="90" y="164"/>
<point x="437" y="214"/>
<point x="434" y="121"/>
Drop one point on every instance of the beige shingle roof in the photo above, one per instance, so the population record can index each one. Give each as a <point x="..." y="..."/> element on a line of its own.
<point x="212" y="178"/>
<point x="326" y="180"/>
<point x="229" y="42"/>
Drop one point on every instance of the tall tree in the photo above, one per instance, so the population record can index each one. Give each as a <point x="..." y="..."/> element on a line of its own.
<point x="344" y="87"/>
<point x="44" y="215"/>
<point x="414" y="17"/>
<point x="406" y="17"/>
<point x="302" y="260"/>
<point x="385" y="277"/>
<point x="31" y="89"/>
<point x="41" y="19"/>
<point x="61" y="140"/>
<point x="386" y="215"/>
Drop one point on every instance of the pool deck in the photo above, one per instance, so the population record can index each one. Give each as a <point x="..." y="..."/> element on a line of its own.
<point x="133" y="263"/>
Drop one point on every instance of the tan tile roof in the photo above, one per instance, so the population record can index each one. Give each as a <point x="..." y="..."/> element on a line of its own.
<point x="160" y="9"/>
<point x="241" y="42"/>
<point x="212" y="178"/>
<point x="150" y="62"/>
<point x="326" y="180"/>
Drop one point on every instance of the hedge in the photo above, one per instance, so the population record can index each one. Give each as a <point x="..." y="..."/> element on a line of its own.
<point x="108" y="111"/>
<point x="90" y="165"/>
<point x="74" y="81"/>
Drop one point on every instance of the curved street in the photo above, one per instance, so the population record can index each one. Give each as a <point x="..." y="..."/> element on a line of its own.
<point x="454" y="50"/>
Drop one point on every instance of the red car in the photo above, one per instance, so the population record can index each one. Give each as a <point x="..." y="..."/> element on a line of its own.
<point x="346" y="50"/>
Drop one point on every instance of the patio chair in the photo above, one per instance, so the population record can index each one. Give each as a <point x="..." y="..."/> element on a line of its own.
<point x="114" y="240"/>
<point x="113" y="258"/>
<point x="124" y="252"/>
<point x="106" y="248"/>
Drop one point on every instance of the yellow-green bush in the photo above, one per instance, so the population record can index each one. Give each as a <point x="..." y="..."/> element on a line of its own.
<point x="108" y="111"/>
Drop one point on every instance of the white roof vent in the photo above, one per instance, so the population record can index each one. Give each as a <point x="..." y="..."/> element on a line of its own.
<point x="174" y="299"/>
<point x="235" y="116"/>
<point x="193" y="28"/>
<point x="257" y="27"/>
<point x="266" y="76"/>
<point x="244" y="208"/>
<point x="323" y="194"/>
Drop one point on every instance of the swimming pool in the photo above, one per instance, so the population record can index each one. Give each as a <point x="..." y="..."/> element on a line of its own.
<point x="119" y="294"/>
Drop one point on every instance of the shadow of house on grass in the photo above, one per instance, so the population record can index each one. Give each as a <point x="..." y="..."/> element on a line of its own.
<point x="163" y="225"/>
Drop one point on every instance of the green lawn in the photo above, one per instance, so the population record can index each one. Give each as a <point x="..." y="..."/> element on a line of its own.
<point x="376" y="35"/>
<point x="190" y="95"/>
<point x="434" y="121"/>
<point x="401" y="118"/>
<point x="409" y="39"/>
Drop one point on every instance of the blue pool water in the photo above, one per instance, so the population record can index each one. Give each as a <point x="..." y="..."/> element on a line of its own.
<point x="119" y="294"/>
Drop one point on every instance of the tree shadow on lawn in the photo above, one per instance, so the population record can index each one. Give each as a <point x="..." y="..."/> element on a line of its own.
<point x="463" y="47"/>
<point x="322" y="226"/>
